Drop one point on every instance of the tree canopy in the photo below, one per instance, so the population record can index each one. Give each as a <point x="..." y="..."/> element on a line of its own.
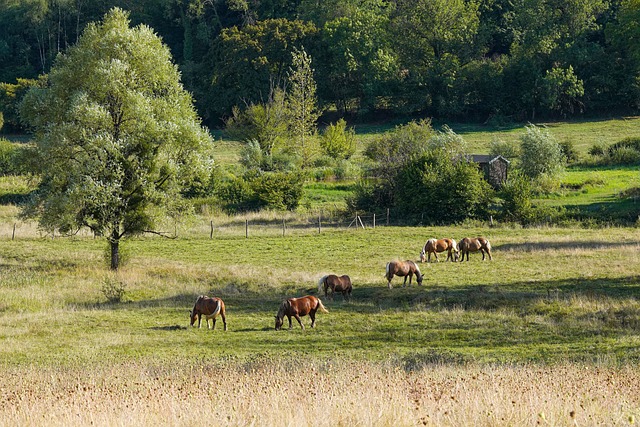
<point x="117" y="135"/>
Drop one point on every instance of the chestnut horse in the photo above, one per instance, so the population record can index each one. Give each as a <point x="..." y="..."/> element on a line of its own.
<point x="211" y="308"/>
<point x="433" y="246"/>
<point x="469" y="244"/>
<point x="403" y="269"/>
<point x="340" y="284"/>
<point x="297" y="307"/>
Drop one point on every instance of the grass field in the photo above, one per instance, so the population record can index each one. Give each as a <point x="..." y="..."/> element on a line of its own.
<point x="547" y="333"/>
<point x="480" y="343"/>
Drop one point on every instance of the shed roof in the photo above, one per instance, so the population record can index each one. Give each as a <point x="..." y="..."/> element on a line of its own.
<point x="486" y="158"/>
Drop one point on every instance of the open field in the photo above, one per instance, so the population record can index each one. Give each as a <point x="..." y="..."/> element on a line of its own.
<point x="549" y="327"/>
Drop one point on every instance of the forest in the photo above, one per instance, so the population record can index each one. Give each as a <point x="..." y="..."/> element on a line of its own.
<point x="489" y="61"/>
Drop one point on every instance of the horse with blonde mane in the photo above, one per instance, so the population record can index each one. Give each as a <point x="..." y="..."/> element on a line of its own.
<point x="297" y="307"/>
<point x="340" y="284"/>
<point x="469" y="244"/>
<point x="433" y="246"/>
<point x="210" y="308"/>
<point x="404" y="269"/>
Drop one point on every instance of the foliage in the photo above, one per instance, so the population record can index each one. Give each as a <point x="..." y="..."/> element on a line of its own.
<point x="541" y="153"/>
<point x="508" y="150"/>
<point x="255" y="191"/>
<point x="563" y="91"/>
<point x="337" y="141"/>
<point x="119" y="133"/>
<point x="267" y="123"/>
<point x="569" y="151"/>
<point x="113" y="289"/>
<point x="302" y="108"/>
<point x="11" y="95"/>
<point x="438" y="188"/>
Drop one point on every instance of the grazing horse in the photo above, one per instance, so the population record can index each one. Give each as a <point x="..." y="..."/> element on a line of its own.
<point x="210" y="308"/>
<point x="469" y="244"/>
<point x="340" y="284"/>
<point x="403" y="269"/>
<point x="297" y="307"/>
<point x="433" y="246"/>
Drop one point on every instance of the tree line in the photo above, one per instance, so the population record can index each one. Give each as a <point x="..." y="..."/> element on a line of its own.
<point x="487" y="60"/>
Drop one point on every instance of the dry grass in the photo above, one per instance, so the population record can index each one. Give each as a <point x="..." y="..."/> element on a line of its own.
<point x="266" y="393"/>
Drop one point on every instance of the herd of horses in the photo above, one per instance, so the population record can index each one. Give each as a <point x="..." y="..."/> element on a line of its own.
<point x="212" y="307"/>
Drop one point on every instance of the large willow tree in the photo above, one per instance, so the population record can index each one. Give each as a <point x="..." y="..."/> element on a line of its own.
<point x="117" y="136"/>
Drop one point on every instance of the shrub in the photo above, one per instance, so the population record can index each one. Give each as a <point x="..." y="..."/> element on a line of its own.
<point x="630" y="142"/>
<point x="337" y="141"/>
<point x="278" y="190"/>
<point x="14" y="158"/>
<point x="508" y="150"/>
<point x="113" y="290"/>
<point x="623" y="156"/>
<point x="569" y="151"/>
<point x="597" y="149"/>
<point x="541" y="153"/>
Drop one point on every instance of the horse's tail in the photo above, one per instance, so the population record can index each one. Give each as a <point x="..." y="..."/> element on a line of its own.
<point x="454" y="245"/>
<point x="387" y="269"/>
<point x="321" y="283"/>
<point x="321" y="306"/>
<point x="488" y="245"/>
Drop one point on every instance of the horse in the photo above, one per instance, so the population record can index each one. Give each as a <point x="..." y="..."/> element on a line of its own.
<point x="403" y="269"/>
<point x="297" y="307"/>
<point x="433" y="246"/>
<point x="210" y="308"/>
<point x="469" y="244"/>
<point x="340" y="284"/>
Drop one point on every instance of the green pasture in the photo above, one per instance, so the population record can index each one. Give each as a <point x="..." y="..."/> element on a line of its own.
<point x="549" y="295"/>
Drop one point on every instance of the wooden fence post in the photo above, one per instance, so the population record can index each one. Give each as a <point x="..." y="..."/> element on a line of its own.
<point x="211" y="233"/>
<point x="387" y="217"/>
<point x="13" y="235"/>
<point x="246" y="228"/>
<point x="319" y="223"/>
<point x="283" y="227"/>
<point x="374" y="220"/>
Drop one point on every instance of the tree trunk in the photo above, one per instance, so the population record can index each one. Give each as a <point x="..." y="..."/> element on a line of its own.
<point x="115" y="253"/>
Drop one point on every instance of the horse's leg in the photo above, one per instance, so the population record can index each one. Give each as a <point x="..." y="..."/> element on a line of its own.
<point x="436" y="254"/>
<point x="199" y="319"/>
<point x="489" y="253"/>
<point x="224" y="320"/>
<point x="300" y="321"/>
<point x="214" y="324"/>
<point x="482" y="252"/>
<point x="312" y="315"/>
<point x="289" y="317"/>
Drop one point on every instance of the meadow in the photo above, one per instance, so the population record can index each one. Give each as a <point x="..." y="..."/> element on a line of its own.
<point x="545" y="334"/>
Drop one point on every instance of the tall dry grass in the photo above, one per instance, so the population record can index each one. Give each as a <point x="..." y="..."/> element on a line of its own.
<point x="319" y="394"/>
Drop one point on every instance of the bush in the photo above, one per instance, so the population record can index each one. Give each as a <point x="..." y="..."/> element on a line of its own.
<point x="541" y="153"/>
<point x="569" y="151"/>
<point x="508" y="150"/>
<point x="623" y="156"/>
<point x="274" y="190"/>
<point x="14" y="158"/>
<point x="630" y="142"/>
<point x="337" y="141"/>
<point x="113" y="290"/>
<point x="597" y="149"/>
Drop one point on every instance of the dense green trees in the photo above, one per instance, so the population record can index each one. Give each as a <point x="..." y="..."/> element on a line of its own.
<point x="117" y="135"/>
<point x="516" y="59"/>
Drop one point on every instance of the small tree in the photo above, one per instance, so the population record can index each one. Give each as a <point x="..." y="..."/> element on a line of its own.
<point x="117" y="134"/>
<point x="302" y="105"/>
<point x="541" y="154"/>
<point x="337" y="141"/>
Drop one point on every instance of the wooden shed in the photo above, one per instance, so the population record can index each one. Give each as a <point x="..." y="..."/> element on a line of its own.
<point x="495" y="168"/>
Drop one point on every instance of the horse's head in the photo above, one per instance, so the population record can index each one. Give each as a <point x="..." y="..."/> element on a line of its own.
<point x="192" y="316"/>
<point x="279" y="322"/>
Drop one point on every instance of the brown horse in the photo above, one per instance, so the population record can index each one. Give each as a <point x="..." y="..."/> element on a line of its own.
<point x="403" y="269"/>
<point x="297" y="307"/>
<point x="210" y="308"/>
<point x="469" y="244"/>
<point x="433" y="246"/>
<point x="340" y="284"/>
